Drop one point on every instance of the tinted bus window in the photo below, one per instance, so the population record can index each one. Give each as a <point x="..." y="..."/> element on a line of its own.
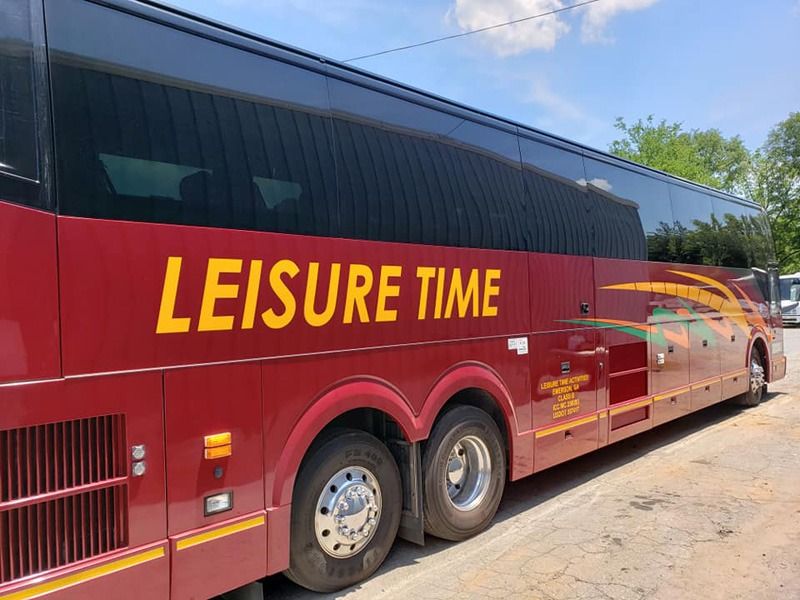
<point x="761" y="244"/>
<point x="17" y="101"/>
<point x="693" y="237"/>
<point x="559" y="218"/>
<point x="637" y="208"/>
<point x="405" y="177"/>
<point x="154" y="124"/>
<point x="736" y="233"/>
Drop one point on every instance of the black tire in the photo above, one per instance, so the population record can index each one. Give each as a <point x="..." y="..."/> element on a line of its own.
<point x="310" y="565"/>
<point x="442" y="518"/>
<point x="753" y="397"/>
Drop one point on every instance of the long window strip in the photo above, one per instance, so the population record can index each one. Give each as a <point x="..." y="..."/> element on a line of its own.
<point x="433" y="176"/>
<point x="439" y="154"/>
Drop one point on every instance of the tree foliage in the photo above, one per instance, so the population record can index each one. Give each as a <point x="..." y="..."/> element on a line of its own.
<point x="770" y="175"/>
<point x="706" y="157"/>
<point x="775" y="184"/>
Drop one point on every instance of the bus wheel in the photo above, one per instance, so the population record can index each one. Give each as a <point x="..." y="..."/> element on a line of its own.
<point x="345" y="512"/>
<point x="464" y="467"/>
<point x="758" y="381"/>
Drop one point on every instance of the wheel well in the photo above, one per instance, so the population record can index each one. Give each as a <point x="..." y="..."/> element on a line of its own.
<point x="486" y="402"/>
<point x="762" y="347"/>
<point x="368" y="420"/>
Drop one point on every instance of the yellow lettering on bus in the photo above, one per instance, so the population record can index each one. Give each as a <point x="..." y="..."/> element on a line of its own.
<point x="490" y="290"/>
<point x="251" y="296"/>
<point x="437" y="307"/>
<point x="463" y="297"/>
<point x="359" y="284"/>
<point x="424" y="274"/>
<point x="314" y="318"/>
<point x="214" y="290"/>
<point x="385" y="291"/>
<point x="167" y="321"/>
<point x="272" y="319"/>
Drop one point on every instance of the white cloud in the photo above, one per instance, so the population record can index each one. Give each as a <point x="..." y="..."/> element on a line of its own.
<point x="597" y="16"/>
<point x="537" y="34"/>
<point x="543" y="95"/>
<point x="602" y="184"/>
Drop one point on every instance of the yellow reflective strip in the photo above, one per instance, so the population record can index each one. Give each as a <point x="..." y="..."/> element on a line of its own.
<point x="702" y="384"/>
<point x="208" y="536"/>
<point x="627" y="407"/>
<point x="565" y="426"/>
<point x="737" y="374"/>
<point x="84" y="576"/>
<point x="672" y="394"/>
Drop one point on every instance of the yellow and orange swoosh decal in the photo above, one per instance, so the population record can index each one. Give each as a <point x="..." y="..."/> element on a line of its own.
<point x="727" y="304"/>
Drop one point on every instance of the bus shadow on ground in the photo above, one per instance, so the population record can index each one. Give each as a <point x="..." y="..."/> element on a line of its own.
<point x="532" y="491"/>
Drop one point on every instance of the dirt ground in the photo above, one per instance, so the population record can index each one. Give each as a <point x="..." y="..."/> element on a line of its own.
<point x="705" y="507"/>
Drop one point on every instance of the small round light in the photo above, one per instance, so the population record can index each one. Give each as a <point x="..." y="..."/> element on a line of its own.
<point x="138" y="452"/>
<point x="139" y="468"/>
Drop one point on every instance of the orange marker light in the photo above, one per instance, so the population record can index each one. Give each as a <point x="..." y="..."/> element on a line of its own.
<point x="217" y="445"/>
<point x="218" y="439"/>
<point x="218" y="452"/>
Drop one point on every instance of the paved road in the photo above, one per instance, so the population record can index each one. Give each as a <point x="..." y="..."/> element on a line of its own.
<point x="706" y="507"/>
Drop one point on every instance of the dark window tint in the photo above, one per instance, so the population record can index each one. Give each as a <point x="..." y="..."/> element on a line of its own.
<point x="154" y="124"/>
<point x="408" y="173"/>
<point x="693" y="237"/>
<point x="758" y="229"/>
<point x="634" y="211"/>
<point x="559" y="208"/>
<point x="17" y="101"/>
<point x="736" y="233"/>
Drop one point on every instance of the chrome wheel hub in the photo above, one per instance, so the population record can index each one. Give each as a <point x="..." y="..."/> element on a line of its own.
<point x="757" y="376"/>
<point x="348" y="512"/>
<point x="469" y="471"/>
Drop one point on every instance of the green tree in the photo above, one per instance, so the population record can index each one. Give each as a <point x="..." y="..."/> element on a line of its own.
<point x="775" y="184"/>
<point x="706" y="157"/>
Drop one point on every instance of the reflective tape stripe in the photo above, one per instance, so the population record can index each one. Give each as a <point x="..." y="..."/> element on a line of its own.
<point x="208" y="536"/>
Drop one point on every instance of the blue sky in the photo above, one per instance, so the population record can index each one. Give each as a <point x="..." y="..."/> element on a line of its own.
<point x="729" y="64"/>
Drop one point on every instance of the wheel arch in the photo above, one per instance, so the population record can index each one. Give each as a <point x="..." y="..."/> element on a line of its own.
<point x="759" y="340"/>
<point x="346" y="397"/>
<point x="474" y="384"/>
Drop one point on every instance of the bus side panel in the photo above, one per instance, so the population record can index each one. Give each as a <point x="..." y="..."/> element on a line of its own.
<point x="82" y="433"/>
<point x="562" y="291"/>
<point x="137" y="397"/>
<point x="209" y="401"/>
<point x="178" y="294"/>
<point x="215" y="409"/>
<point x="29" y="301"/>
<point x="564" y="390"/>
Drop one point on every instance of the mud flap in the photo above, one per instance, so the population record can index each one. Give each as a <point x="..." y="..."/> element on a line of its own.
<point x="409" y="461"/>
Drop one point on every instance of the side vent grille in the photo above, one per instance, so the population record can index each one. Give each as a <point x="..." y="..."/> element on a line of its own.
<point x="57" y="456"/>
<point x="63" y="494"/>
<point x="58" y="532"/>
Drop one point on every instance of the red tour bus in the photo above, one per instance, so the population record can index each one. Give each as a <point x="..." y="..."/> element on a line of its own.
<point x="265" y="312"/>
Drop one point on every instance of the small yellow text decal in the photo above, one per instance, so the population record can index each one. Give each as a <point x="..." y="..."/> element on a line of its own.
<point x="564" y="391"/>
